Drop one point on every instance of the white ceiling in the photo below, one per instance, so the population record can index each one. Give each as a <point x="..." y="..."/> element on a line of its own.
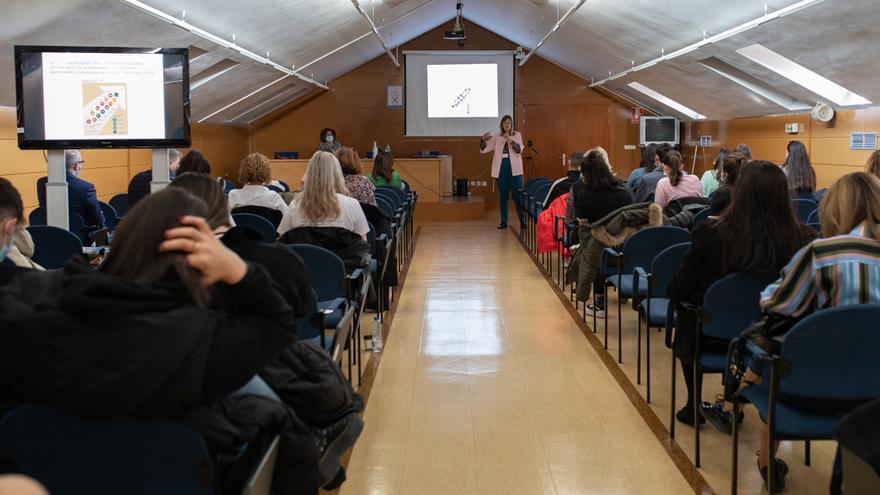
<point x="836" y="38"/>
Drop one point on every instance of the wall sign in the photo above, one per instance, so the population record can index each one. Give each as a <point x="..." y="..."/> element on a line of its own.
<point x="634" y="114"/>
<point x="395" y="96"/>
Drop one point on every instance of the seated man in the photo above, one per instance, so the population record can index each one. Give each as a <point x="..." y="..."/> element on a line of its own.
<point x="11" y="215"/>
<point x="139" y="186"/>
<point x="563" y="185"/>
<point x="81" y="195"/>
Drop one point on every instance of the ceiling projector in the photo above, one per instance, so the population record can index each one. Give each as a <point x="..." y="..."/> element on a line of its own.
<point x="457" y="32"/>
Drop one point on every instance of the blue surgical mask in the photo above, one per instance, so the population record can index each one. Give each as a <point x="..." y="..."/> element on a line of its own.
<point x="329" y="138"/>
<point x="4" y="251"/>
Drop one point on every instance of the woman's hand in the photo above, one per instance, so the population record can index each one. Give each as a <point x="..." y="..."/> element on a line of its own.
<point x="486" y="136"/>
<point x="204" y="252"/>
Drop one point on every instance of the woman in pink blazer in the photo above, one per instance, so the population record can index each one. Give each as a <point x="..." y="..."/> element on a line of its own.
<point x="507" y="165"/>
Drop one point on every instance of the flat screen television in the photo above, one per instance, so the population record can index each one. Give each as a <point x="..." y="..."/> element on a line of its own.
<point x="88" y="97"/>
<point x="658" y="130"/>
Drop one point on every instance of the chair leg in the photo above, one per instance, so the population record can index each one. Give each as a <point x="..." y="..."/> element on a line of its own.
<point x="698" y="385"/>
<point x="605" y="292"/>
<point x="735" y="459"/>
<point x="619" y="329"/>
<point x="672" y="401"/>
<point x="807" y="460"/>
<point x="638" y="349"/>
<point x="648" y="358"/>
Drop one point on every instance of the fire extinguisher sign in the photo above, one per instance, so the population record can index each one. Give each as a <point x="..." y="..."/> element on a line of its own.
<point x="634" y="114"/>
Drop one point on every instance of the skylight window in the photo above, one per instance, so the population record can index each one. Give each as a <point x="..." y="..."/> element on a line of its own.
<point x="669" y="102"/>
<point x="802" y="76"/>
<point x="753" y="84"/>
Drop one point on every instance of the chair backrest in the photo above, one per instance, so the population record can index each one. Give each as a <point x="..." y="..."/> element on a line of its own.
<point x="534" y="180"/>
<point x="305" y="326"/>
<point x="53" y="246"/>
<point x="731" y="303"/>
<point x="386" y="206"/>
<point x="534" y="184"/>
<point x="701" y="216"/>
<point x="120" y="204"/>
<point x="75" y="222"/>
<point x="73" y="455"/>
<point x="388" y="196"/>
<point x="110" y="215"/>
<point x="832" y="354"/>
<point x="399" y="193"/>
<point x="326" y="271"/>
<point x="406" y="188"/>
<point x="641" y="247"/>
<point x="258" y="223"/>
<point x="542" y="191"/>
<point x="371" y="238"/>
<point x="664" y="266"/>
<point x="813" y="217"/>
<point x="37" y="216"/>
<point x="271" y="214"/>
<point x="803" y="208"/>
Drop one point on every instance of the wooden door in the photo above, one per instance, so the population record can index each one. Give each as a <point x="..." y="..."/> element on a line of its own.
<point x="545" y="126"/>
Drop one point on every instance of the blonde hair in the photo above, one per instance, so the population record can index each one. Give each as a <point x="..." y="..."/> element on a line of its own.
<point x="873" y="165"/>
<point x="603" y="154"/>
<point x="255" y="169"/>
<point x="853" y="200"/>
<point x="323" y="180"/>
<point x="349" y="161"/>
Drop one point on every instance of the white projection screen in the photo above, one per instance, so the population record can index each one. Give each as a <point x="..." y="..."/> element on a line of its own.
<point x="460" y="93"/>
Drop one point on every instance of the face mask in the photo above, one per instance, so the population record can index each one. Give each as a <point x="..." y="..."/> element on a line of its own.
<point x="5" y="251"/>
<point x="329" y="138"/>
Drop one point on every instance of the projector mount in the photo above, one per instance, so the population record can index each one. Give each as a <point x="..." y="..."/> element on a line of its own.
<point x="457" y="33"/>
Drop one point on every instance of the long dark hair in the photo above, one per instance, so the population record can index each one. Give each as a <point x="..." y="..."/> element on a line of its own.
<point x="672" y="160"/>
<point x="211" y="192"/>
<point x="595" y="171"/>
<point x="759" y="231"/>
<point x="648" y="154"/>
<point x="383" y="165"/>
<point x="731" y="167"/>
<point x="719" y="159"/>
<point x="134" y="255"/>
<point x="194" y="161"/>
<point x="744" y="149"/>
<point x="798" y="169"/>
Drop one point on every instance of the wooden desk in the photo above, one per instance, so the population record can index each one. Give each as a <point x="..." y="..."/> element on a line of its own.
<point x="431" y="177"/>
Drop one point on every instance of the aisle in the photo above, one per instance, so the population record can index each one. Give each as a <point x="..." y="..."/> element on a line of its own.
<point x="486" y="385"/>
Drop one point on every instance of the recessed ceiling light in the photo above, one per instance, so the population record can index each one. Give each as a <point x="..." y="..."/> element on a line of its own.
<point x="802" y="76"/>
<point x="669" y="102"/>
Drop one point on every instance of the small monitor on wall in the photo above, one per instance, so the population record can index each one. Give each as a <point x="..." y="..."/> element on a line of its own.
<point x="88" y="97"/>
<point x="658" y="130"/>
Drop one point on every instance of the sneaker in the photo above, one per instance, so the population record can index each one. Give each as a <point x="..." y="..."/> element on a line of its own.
<point x="333" y="440"/>
<point x="781" y="469"/>
<point x="595" y="311"/>
<point x="721" y="418"/>
<point x="686" y="416"/>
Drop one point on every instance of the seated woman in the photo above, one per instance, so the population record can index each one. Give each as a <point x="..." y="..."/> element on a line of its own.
<point x="328" y="141"/>
<point x="711" y="179"/>
<point x="324" y="200"/>
<point x="383" y="171"/>
<point x="358" y="185"/>
<point x="677" y="183"/>
<point x="730" y="170"/>
<point x="255" y="173"/>
<point x="648" y="164"/>
<point x="799" y="170"/>
<point x="758" y="233"/>
<point x="646" y="185"/>
<point x="194" y="161"/>
<point x="840" y="269"/>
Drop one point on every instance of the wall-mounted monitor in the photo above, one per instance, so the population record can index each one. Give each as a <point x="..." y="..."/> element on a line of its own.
<point x="658" y="130"/>
<point x="87" y="97"/>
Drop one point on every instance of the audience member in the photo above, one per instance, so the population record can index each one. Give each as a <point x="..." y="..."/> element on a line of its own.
<point x="81" y="195"/>
<point x="731" y="168"/>
<point x="758" y="233"/>
<point x="255" y="172"/>
<point x="711" y="179"/>
<point x="194" y="161"/>
<point x="383" y="171"/>
<point x="324" y="200"/>
<point x="563" y="185"/>
<point x="647" y="183"/>
<point x="873" y="165"/>
<point x="744" y="150"/>
<point x="800" y="173"/>
<point x="677" y="183"/>
<point x="647" y="164"/>
<point x="139" y="187"/>
<point x="328" y="141"/>
<point x="11" y="223"/>
<point x="358" y="185"/>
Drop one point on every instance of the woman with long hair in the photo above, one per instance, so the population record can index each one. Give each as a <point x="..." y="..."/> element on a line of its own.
<point x="711" y="179"/>
<point x="383" y="171"/>
<point x="647" y="164"/>
<point x="730" y="169"/>
<point x="324" y="200"/>
<point x="358" y="185"/>
<point x="255" y="172"/>
<point x="873" y="165"/>
<point x="677" y="183"/>
<point x="507" y="166"/>
<point x="758" y="233"/>
<point x="799" y="170"/>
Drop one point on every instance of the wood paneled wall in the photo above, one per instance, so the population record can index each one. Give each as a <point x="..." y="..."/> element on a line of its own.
<point x="111" y="170"/>
<point x="554" y="109"/>
<point x="827" y="144"/>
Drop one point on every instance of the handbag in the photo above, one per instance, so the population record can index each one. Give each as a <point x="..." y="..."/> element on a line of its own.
<point x="762" y="333"/>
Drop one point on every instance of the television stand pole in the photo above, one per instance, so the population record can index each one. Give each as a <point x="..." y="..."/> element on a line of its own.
<point x="57" y="214"/>
<point x="161" y="172"/>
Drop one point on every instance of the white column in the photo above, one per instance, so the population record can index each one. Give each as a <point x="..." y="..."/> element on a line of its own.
<point x="57" y="214"/>
<point x="161" y="173"/>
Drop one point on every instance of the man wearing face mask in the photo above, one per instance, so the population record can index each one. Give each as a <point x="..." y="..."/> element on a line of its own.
<point x="81" y="195"/>
<point x="328" y="141"/>
<point x="11" y="226"/>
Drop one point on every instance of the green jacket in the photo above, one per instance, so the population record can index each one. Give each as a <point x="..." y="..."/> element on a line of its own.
<point x="380" y="181"/>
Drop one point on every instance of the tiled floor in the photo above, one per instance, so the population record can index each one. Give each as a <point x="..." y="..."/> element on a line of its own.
<point x="487" y="385"/>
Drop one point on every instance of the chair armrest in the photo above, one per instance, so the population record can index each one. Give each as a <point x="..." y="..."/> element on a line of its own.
<point x="343" y="330"/>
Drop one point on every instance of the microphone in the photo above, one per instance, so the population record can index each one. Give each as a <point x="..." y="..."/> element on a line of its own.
<point x="531" y="147"/>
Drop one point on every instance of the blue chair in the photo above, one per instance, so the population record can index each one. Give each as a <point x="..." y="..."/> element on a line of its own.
<point x="284" y="184"/>
<point x="638" y="251"/>
<point x="730" y="305"/>
<point x="655" y="307"/>
<point x="120" y="204"/>
<point x="111" y="218"/>
<point x="380" y="249"/>
<point x="828" y="360"/>
<point x="813" y="217"/>
<point x="75" y="223"/>
<point x="399" y="193"/>
<point x="258" y="223"/>
<point x="525" y="195"/>
<point x="53" y="246"/>
<point x="73" y="455"/>
<point x="701" y="216"/>
<point x="803" y="208"/>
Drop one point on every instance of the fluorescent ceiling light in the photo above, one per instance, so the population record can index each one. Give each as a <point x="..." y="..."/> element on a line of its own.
<point x="669" y="102"/>
<point x="801" y="75"/>
<point x="753" y="84"/>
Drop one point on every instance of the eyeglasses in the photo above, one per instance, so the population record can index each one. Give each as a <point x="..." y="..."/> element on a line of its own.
<point x="80" y="162"/>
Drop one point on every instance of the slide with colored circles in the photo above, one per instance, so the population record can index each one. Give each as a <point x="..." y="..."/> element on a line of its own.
<point x="104" y="109"/>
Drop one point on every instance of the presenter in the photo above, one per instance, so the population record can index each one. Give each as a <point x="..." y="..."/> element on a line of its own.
<point x="507" y="165"/>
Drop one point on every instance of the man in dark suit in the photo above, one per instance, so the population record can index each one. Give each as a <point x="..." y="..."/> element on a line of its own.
<point x="139" y="187"/>
<point x="81" y="195"/>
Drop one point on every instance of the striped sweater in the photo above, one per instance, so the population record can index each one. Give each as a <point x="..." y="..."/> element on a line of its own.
<point x="837" y="271"/>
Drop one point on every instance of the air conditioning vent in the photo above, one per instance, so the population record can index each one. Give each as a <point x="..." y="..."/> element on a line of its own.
<point x="863" y="141"/>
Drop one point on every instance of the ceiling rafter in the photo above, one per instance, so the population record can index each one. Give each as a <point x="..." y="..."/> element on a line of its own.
<point x="375" y="30"/>
<point x="555" y="28"/>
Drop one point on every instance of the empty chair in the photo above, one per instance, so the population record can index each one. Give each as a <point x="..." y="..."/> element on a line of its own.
<point x="803" y="208"/>
<point x="258" y="223"/>
<point x="271" y="214"/>
<point x="75" y="223"/>
<point x="120" y="204"/>
<point x="53" y="246"/>
<point x="110" y="216"/>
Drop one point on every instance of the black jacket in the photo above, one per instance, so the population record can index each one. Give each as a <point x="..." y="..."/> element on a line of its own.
<point x="562" y="186"/>
<point x="595" y="204"/>
<point x="93" y="344"/>
<point x="353" y="250"/>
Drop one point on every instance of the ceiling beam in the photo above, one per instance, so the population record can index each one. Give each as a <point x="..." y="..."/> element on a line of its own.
<point x="767" y="17"/>
<point x="245" y="97"/>
<point x="375" y="30"/>
<point x="220" y="41"/>
<point x="555" y="27"/>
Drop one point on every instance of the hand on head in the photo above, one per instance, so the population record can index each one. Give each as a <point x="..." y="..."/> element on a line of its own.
<point x="204" y="252"/>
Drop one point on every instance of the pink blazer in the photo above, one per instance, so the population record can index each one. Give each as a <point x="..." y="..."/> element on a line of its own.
<point x="495" y="144"/>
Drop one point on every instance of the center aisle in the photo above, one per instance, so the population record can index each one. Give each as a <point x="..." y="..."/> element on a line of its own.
<point x="488" y="386"/>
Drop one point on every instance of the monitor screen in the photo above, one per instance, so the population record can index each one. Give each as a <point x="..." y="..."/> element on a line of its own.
<point x="660" y="130"/>
<point x="78" y="97"/>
